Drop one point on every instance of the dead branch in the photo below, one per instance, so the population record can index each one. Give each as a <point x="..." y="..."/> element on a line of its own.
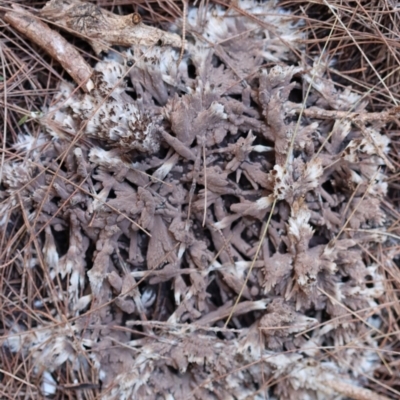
<point x="104" y="29"/>
<point x="53" y="43"/>
<point x="353" y="392"/>
<point x="361" y="117"/>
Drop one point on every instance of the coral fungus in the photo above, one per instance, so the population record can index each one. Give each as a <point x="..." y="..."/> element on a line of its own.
<point x="161" y="180"/>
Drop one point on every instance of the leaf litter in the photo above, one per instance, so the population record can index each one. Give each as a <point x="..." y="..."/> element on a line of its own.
<point x="147" y="195"/>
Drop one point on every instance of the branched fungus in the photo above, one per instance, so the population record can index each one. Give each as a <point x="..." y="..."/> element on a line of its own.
<point x="161" y="180"/>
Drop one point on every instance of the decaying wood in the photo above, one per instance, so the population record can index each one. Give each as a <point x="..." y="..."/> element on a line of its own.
<point x="360" y="117"/>
<point x="53" y="43"/>
<point x="104" y="29"/>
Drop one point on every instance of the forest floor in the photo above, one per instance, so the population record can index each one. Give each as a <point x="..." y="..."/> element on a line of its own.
<point x="199" y="199"/>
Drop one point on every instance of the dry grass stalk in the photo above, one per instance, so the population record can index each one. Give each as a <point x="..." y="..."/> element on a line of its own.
<point x="353" y="392"/>
<point x="364" y="117"/>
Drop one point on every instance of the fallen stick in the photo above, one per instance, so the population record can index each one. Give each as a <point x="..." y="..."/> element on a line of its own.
<point x="364" y="117"/>
<point x="53" y="43"/>
<point x="103" y="29"/>
<point x="358" y="118"/>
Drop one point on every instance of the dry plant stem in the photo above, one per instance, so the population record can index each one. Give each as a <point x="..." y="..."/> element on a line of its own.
<point x="374" y="231"/>
<point x="205" y="185"/>
<point x="264" y="234"/>
<point x="361" y="51"/>
<point x="17" y="379"/>
<point x="184" y="13"/>
<point x="318" y="113"/>
<point x="336" y="319"/>
<point x="353" y="392"/>
<point x="104" y="29"/>
<point x="5" y="112"/>
<point x="53" y="43"/>
<point x="79" y="386"/>
<point x="242" y="308"/>
<point x="350" y="311"/>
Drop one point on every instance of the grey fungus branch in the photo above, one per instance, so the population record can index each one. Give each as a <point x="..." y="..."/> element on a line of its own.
<point x="155" y="217"/>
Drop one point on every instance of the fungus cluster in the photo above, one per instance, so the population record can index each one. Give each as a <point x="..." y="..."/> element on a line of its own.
<point x="150" y="195"/>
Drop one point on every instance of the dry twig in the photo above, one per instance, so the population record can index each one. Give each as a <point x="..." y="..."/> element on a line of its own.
<point x="52" y="42"/>
<point x="104" y="29"/>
